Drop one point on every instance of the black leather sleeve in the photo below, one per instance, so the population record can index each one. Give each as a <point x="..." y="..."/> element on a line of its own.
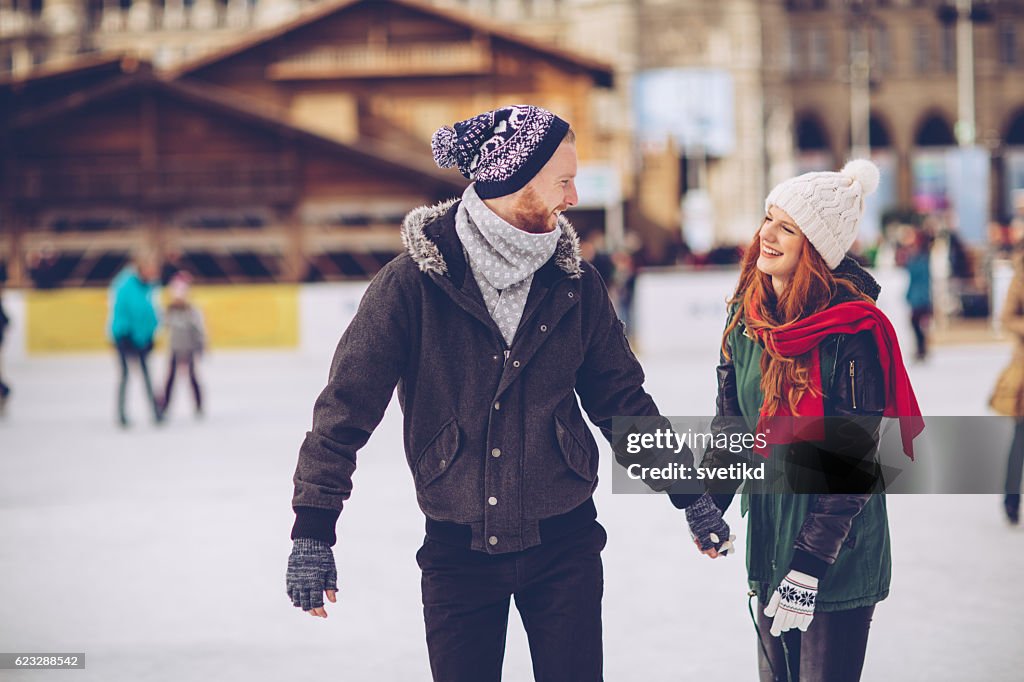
<point x="854" y="406"/>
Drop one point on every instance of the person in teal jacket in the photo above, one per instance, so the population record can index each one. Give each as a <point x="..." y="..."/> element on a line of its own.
<point x="132" y="326"/>
<point x="804" y="339"/>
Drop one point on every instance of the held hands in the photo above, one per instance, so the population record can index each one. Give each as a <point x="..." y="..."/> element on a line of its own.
<point x="311" y="572"/>
<point x="709" y="530"/>
<point x="792" y="604"/>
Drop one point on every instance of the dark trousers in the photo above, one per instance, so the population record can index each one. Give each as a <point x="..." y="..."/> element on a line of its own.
<point x="918" y="320"/>
<point x="1015" y="466"/>
<point x="128" y="351"/>
<point x="832" y="649"/>
<point x="557" y="588"/>
<point x="189" y="361"/>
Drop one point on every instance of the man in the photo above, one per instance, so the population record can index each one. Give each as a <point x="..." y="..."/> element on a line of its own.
<point x="490" y="325"/>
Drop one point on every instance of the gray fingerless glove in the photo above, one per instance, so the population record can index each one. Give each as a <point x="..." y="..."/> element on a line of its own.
<point x="311" y="570"/>
<point x="707" y="524"/>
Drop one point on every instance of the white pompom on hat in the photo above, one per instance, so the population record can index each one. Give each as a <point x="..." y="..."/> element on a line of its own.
<point x="827" y="206"/>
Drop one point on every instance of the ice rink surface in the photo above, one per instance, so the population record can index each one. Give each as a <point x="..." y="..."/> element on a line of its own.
<point x="160" y="551"/>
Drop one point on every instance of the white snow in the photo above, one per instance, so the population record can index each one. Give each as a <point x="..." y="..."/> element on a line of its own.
<point x="160" y="552"/>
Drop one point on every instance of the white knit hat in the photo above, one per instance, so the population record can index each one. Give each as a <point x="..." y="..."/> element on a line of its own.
<point x="827" y="206"/>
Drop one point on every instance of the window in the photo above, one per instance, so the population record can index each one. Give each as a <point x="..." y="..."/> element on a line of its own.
<point x="922" y="49"/>
<point x="819" y="59"/>
<point x="1008" y="45"/>
<point x="949" y="49"/>
<point x="796" y="64"/>
<point x="881" y="50"/>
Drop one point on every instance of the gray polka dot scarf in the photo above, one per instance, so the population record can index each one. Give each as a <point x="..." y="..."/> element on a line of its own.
<point x="503" y="259"/>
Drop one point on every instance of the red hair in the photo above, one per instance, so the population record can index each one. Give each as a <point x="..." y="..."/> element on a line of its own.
<point x="812" y="289"/>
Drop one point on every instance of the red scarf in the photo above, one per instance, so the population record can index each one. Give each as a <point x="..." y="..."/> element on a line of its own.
<point x="805" y="335"/>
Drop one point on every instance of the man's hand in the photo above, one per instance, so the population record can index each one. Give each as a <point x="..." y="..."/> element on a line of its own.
<point x="311" y="572"/>
<point x="709" y="530"/>
<point x="792" y="604"/>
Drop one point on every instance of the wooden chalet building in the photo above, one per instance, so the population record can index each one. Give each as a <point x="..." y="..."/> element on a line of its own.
<point x="289" y="156"/>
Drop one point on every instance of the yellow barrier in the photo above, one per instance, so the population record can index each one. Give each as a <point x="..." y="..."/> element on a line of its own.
<point x="236" y="316"/>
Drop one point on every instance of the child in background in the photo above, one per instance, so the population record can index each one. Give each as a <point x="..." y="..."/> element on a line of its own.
<point x="186" y="339"/>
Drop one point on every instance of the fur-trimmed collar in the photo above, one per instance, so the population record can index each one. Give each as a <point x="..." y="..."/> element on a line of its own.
<point x="426" y="254"/>
<point x="851" y="270"/>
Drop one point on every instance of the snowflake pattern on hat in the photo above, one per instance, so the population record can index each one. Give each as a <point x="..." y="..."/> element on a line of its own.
<point x="501" y="149"/>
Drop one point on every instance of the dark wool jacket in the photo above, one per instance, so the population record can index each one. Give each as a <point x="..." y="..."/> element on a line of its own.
<point x="494" y="436"/>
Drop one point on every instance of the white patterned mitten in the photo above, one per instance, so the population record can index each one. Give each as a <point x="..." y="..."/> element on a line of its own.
<point x="792" y="604"/>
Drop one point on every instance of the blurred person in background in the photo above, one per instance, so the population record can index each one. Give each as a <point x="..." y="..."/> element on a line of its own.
<point x="623" y="288"/>
<point x="495" y="331"/>
<point x="804" y="337"/>
<point x="916" y="259"/>
<point x="593" y="251"/>
<point x="184" y="324"/>
<point x="42" y="265"/>
<point x="1008" y="396"/>
<point x="132" y="326"/>
<point x="5" y="390"/>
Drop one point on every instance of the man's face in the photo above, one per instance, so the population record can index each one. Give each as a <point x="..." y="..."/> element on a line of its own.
<point x="536" y="207"/>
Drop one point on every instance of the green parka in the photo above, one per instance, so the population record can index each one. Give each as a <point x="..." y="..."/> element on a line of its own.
<point x="843" y="539"/>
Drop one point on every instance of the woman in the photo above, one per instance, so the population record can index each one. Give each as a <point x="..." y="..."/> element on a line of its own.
<point x="1008" y="397"/>
<point x="804" y="339"/>
<point x="132" y="326"/>
<point x="919" y="288"/>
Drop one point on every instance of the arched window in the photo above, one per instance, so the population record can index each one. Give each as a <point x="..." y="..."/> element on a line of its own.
<point x="934" y="131"/>
<point x="1015" y="132"/>
<point x="810" y="134"/>
<point x="878" y="133"/>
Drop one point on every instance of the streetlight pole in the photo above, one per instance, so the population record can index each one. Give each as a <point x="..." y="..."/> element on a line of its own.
<point x="860" y="84"/>
<point x="965" y="126"/>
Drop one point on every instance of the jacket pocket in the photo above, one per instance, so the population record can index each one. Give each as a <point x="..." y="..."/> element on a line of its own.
<point x="437" y="457"/>
<point x="581" y="457"/>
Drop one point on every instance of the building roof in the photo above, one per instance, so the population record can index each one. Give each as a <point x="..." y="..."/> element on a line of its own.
<point x="77" y="66"/>
<point x="601" y="72"/>
<point x="417" y="164"/>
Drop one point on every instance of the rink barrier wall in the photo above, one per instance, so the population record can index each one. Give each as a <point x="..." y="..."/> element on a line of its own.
<point x="76" y="320"/>
<point x="677" y="311"/>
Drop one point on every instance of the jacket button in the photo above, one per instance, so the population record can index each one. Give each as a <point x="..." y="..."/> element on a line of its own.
<point x="497" y="405"/>
<point x="496" y="452"/>
<point x="515" y="363"/>
<point x="494" y="357"/>
<point x="543" y="327"/>
<point x="492" y="501"/>
<point x="444" y="463"/>
<point x="492" y="541"/>
<point x="572" y="295"/>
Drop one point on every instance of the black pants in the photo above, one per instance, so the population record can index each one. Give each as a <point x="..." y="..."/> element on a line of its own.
<point x="189" y="361"/>
<point x="557" y="587"/>
<point x="126" y="350"/>
<point x="832" y="649"/>
<point x="918" y="320"/>
<point x="1015" y="466"/>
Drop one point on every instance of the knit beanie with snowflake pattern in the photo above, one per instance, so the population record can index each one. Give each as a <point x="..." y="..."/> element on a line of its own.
<point x="500" y="150"/>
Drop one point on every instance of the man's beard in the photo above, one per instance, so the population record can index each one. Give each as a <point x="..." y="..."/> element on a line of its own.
<point x="530" y="215"/>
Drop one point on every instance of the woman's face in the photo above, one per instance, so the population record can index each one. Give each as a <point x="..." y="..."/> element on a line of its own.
<point x="781" y="244"/>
